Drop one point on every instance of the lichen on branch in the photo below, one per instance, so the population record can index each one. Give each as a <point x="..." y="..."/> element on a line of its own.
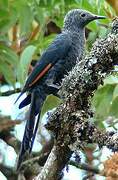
<point x="70" y="123"/>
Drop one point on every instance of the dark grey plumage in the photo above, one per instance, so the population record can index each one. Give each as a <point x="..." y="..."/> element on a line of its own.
<point x="58" y="59"/>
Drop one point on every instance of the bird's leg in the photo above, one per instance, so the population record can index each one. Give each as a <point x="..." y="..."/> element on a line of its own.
<point x="54" y="86"/>
<point x="50" y="84"/>
<point x="53" y="81"/>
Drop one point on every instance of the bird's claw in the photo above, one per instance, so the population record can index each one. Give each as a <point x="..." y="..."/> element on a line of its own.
<point x="54" y="86"/>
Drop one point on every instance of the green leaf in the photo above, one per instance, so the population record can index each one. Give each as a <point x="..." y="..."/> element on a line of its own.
<point x="8" y="55"/>
<point x="7" y="20"/>
<point x="102" y="100"/>
<point x="4" y="24"/>
<point x="93" y="26"/>
<point x="102" y="32"/>
<point x="46" y="3"/>
<point x="8" y="73"/>
<point x="91" y="39"/>
<point x="111" y="80"/>
<point x="113" y="111"/>
<point x="4" y="4"/>
<point x="4" y="38"/>
<point x="44" y="42"/>
<point x="115" y="92"/>
<point x="50" y="103"/>
<point x="3" y="13"/>
<point x="86" y="5"/>
<point x="26" y="18"/>
<point x="25" y="60"/>
<point x="40" y="14"/>
<point x="99" y="123"/>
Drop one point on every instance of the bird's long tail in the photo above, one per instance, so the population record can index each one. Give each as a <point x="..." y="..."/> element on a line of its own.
<point x="37" y="100"/>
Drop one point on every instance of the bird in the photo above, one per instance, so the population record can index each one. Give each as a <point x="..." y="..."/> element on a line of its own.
<point x="55" y="62"/>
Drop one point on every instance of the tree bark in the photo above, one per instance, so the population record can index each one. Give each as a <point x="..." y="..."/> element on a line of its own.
<point x="70" y="123"/>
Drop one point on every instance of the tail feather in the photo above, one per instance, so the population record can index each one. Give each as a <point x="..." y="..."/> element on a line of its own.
<point x="18" y="97"/>
<point x="34" y="134"/>
<point x="25" y="102"/>
<point x="28" y="133"/>
<point x="31" y="126"/>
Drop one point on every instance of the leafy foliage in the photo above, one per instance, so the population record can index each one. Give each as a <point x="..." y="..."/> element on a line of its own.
<point x="50" y="103"/>
<point x="25" y="60"/>
<point x="105" y="99"/>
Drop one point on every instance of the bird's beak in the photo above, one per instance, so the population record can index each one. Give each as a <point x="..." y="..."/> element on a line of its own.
<point x="99" y="17"/>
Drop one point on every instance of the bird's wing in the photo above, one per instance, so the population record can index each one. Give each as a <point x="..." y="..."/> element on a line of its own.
<point x="57" y="50"/>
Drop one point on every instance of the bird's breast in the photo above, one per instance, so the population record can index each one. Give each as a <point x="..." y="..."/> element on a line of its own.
<point x="75" y="53"/>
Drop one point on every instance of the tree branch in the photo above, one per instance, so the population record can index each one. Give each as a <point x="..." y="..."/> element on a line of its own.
<point x="70" y="122"/>
<point x="84" y="166"/>
<point x="10" y="92"/>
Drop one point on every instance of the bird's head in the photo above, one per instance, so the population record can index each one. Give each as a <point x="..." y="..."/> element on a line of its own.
<point x="79" y="18"/>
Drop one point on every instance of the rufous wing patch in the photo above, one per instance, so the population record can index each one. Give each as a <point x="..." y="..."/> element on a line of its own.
<point x="41" y="74"/>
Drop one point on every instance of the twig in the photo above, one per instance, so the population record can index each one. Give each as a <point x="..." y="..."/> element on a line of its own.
<point x="10" y="92"/>
<point x="34" y="159"/>
<point x="84" y="167"/>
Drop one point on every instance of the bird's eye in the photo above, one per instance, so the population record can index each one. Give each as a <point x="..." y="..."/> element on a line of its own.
<point x="83" y="15"/>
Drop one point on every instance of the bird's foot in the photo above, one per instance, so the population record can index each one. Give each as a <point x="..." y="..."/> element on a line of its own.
<point x="53" y="86"/>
